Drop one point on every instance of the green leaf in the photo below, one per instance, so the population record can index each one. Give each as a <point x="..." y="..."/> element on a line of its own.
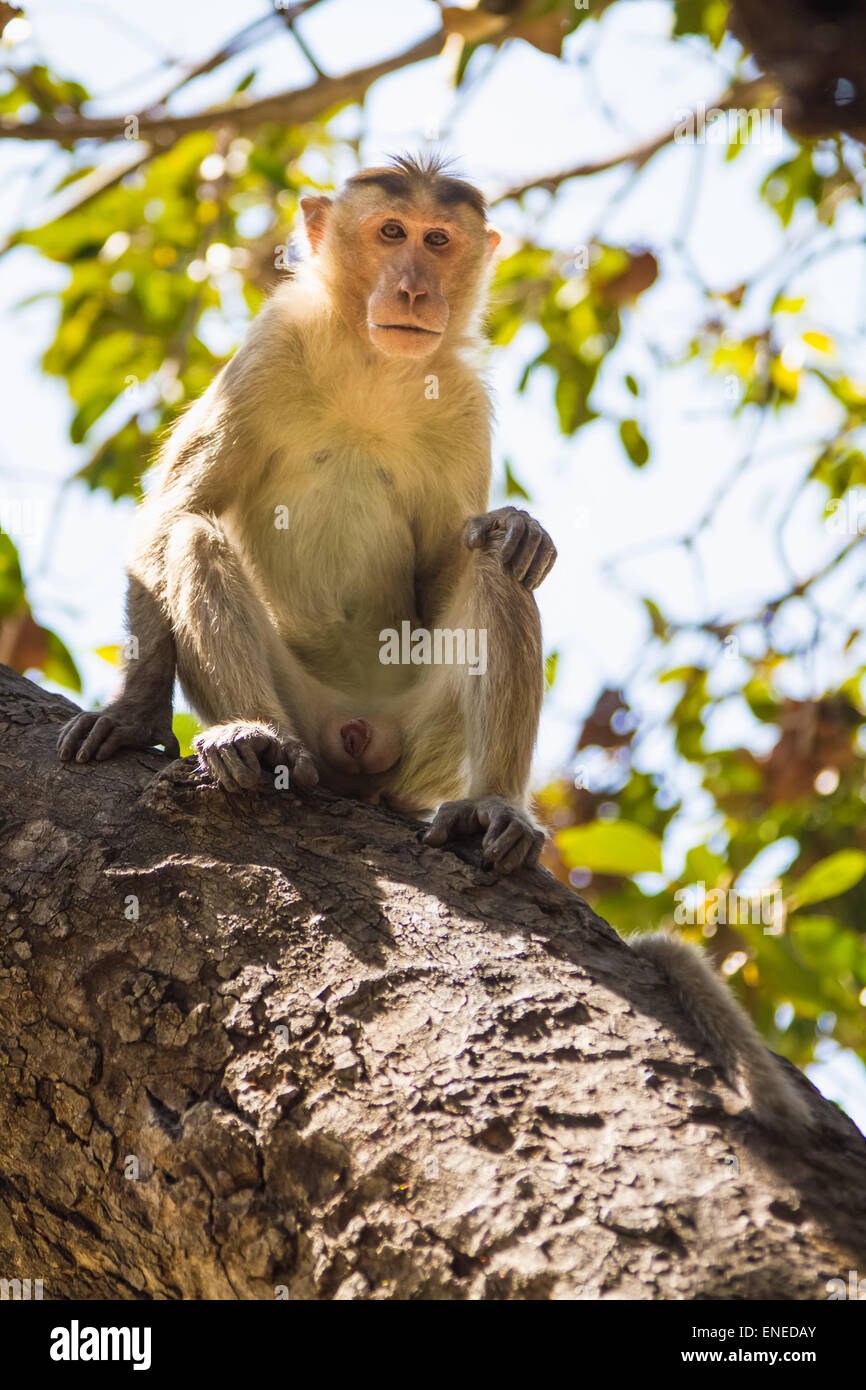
<point x="830" y="878"/>
<point x="58" y="665"/>
<point x="634" y="443"/>
<point x="702" y="866"/>
<point x="611" y="847"/>
<point x="185" y="726"/>
<point x="706" y="17"/>
<point x="782" y="304"/>
<point x="550" y="664"/>
<point x="512" y="487"/>
<point x="659" y="624"/>
<point x="11" y="579"/>
<point x="246" y="81"/>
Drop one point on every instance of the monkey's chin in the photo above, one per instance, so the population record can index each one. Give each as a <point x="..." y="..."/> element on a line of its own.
<point x="397" y="341"/>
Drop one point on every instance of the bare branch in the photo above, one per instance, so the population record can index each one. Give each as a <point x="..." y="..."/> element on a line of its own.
<point x="759" y="94"/>
<point x="286" y="108"/>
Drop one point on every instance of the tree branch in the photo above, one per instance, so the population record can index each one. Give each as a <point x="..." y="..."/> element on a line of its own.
<point x="744" y="93"/>
<point x="289" y="108"/>
<point x="268" y="1044"/>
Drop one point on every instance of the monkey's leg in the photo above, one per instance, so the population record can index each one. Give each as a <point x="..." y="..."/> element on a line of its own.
<point x="140" y="717"/>
<point x="231" y="661"/>
<point x="497" y="708"/>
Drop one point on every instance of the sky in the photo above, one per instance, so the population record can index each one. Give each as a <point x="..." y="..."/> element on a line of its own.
<point x="526" y="114"/>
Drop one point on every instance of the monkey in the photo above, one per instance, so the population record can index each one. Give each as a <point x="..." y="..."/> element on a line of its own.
<point x="329" y="487"/>
<point x="356" y="413"/>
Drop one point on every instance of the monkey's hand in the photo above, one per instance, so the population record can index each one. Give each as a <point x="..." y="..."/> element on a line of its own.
<point x="96" y="735"/>
<point x="511" y="837"/>
<point x="235" y="754"/>
<point x="521" y="542"/>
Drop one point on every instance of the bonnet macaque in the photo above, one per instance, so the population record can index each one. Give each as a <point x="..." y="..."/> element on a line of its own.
<point x="319" y="564"/>
<point x="326" y="494"/>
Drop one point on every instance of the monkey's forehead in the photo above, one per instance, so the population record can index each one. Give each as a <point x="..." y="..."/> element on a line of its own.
<point x="437" y="192"/>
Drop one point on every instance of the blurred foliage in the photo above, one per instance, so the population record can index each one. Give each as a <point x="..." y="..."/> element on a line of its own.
<point x="166" y="267"/>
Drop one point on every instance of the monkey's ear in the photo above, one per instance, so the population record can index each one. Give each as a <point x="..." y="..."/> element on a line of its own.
<point x="315" y="210"/>
<point x="493" y="240"/>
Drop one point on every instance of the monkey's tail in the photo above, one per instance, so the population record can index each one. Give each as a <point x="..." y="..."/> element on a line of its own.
<point x="729" y="1032"/>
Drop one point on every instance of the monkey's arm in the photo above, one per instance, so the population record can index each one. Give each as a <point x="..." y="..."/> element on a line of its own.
<point x="141" y="715"/>
<point x="508" y="556"/>
<point x="728" y="1032"/>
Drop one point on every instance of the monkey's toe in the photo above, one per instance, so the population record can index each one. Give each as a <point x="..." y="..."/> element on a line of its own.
<point x="511" y="843"/>
<point x="72" y="739"/>
<point x="511" y="839"/>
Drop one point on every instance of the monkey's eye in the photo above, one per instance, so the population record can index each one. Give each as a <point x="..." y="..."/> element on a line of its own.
<point x="437" y="238"/>
<point x="392" y="231"/>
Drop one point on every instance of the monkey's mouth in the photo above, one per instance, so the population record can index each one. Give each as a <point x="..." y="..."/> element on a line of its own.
<point x="407" y="328"/>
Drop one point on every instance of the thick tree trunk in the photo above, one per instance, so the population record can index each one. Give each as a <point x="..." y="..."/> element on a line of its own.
<point x="268" y="1046"/>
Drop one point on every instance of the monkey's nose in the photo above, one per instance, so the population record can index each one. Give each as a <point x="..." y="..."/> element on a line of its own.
<point x="355" y="736"/>
<point x="412" y="292"/>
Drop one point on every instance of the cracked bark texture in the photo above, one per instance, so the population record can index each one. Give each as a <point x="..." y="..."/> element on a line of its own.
<point x="323" y="1062"/>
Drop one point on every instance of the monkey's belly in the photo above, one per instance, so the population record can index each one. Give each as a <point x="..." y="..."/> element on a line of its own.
<point x="348" y="658"/>
<point x="339" y="569"/>
<point x="340" y="574"/>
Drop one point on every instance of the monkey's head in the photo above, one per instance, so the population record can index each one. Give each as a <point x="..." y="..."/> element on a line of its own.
<point x="405" y="251"/>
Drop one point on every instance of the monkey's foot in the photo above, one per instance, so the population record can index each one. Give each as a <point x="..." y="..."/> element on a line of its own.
<point x="511" y="837"/>
<point x="98" y="734"/>
<point x="235" y="754"/>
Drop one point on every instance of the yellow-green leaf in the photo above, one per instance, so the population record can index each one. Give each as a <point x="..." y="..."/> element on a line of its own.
<point x="611" y="847"/>
<point x="109" y="654"/>
<point x="830" y="877"/>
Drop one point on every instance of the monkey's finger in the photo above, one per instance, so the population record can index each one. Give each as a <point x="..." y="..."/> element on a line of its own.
<point x="438" y="832"/>
<point x="117" y="739"/>
<point x="239" y="773"/>
<point x="171" y="746"/>
<point x="516" y="857"/>
<point x="525" y="557"/>
<point x="498" y="849"/>
<point x="515" y="531"/>
<point x="534" y="854"/>
<point x="72" y="734"/>
<point x="247" y="755"/>
<point x="493" y="821"/>
<point x="542" y="564"/>
<point x="451" y="821"/>
<point x="209" y="762"/>
<point x="476" y="531"/>
<point x="303" y="769"/>
<point x="100" y="731"/>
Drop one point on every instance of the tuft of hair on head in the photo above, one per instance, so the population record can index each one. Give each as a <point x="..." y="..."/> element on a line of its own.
<point x="428" y="174"/>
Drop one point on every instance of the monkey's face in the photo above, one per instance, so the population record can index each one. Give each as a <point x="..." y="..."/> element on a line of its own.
<point x="407" y="270"/>
<point x="410" y="261"/>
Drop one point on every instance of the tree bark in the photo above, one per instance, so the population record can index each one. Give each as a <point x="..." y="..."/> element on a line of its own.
<point x="322" y="1061"/>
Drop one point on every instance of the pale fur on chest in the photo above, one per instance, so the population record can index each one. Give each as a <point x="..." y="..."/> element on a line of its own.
<point x="364" y="481"/>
